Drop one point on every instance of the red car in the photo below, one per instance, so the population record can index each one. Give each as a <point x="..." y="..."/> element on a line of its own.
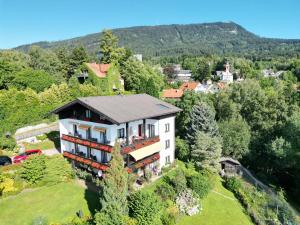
<point x="23" y="156"/>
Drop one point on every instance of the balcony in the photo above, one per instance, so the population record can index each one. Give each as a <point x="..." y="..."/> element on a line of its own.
<point x="88" y="143"/>
<point x="143" y="162"/>
<point x="86" y="161"/>
<point x="139" y="143"/>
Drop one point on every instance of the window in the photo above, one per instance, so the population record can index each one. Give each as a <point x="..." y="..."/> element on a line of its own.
<point x="74" y="113"/>
<point x="167" y="127"/>
<point x="102" y="137"/>
<point x="151" y="129"/>
<point x="104" y="157"/>
<point x="88" y="113"/>
<point x="167" y="143"/>
<point x="88" y="133"/>
<point x="168" y="160"/>
<point x="121" y="133"/>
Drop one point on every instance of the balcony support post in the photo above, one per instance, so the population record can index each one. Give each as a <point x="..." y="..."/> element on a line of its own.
<point x="144" y="128"/>
<point x="127" y="135"/>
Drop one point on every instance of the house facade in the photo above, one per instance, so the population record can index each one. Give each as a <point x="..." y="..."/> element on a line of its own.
<point x="225" y="76"/>
<point x="143" y="126"/>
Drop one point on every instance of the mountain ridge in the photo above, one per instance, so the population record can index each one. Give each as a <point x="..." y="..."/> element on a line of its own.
<point x="178" y="39"/>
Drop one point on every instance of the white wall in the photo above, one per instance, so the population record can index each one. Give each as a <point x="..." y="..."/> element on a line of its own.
<point x="66" y="127"/>
<point x="165" y="136"/>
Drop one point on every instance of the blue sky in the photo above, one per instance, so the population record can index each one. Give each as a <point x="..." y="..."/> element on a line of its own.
<point x="27" y="21"/>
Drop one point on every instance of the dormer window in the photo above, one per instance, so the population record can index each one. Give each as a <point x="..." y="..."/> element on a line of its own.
<point x="88" y="113"/>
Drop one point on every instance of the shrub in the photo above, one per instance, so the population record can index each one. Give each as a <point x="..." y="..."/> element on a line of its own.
<point x="144" y="207"/>
<point x="165" y="191"/>
<point x="200" y="184"/>
<point x="57" y="170"/>
<point x="170" y="215"/>
<point x="148" y="175"/>
<point x="233" y="184"/>
<point x="182" y="149"/>
<point x="178" y="181"/>
<point x="41" y="137"/>
<point x="33" y="169"/>
<point x="7" y="185"/>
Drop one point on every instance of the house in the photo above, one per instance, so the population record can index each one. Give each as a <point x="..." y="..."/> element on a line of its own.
<point x="105" y="76"/>
<point x="271" y="73"/>
<point x="190" y="86"/>
<point x="225" y="76"/>
<point x="176" y="73"/>
<point x="143" y="125"/>
<point x="172" y="93"/>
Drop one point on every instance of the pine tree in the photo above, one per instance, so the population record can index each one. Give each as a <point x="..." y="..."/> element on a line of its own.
<point x="206" y="151"/>
<point x="202" y="118"/>
<point x="113" y="196"/>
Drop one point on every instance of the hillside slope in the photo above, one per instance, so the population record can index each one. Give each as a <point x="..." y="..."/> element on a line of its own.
<point x="192" y="39"/>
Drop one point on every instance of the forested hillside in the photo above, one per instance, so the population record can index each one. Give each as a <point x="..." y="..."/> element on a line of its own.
<point x="192" y="39"/>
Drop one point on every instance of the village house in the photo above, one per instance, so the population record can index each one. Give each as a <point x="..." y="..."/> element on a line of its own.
<point x="271" y="73"/>
<point x="176" y="73"/>
<point x="143" y="125"/>
<point x="225" y="76"/>
<point x="105" y="76"/>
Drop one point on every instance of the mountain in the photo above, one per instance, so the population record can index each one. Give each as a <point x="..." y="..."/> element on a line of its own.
<point x="192" y="39"/>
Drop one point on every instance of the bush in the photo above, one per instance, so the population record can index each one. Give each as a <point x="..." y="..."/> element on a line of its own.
<point x="233" y="184"/>
<point x="144" y="207"/>
<point x="170" y="215"/>
<point x="200" y="184"/>
<point x="182" y="149"/>
<point x="165" y="191"/>
<point x="7" y="143"/>
<point x="178" y="181"/>
<point x="148" y="175"/>
<point x="57" y="170"/>
<point x="7" y="185"/>
<point x="33" y="169"/>
<point x="42" y="137"/>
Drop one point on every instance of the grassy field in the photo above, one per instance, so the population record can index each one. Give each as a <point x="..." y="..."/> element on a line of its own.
<point x="58" y="203"/>
<point x="220" y="207"/>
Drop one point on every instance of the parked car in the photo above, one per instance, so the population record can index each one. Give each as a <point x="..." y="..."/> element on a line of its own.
<point x="23" y="156"/>
<point x="5" y="160"/>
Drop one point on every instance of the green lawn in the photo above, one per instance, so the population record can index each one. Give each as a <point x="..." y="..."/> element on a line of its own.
<point x="218" y="210"/>
<point x="43" y="145"/>
<point x="58" y="203"/>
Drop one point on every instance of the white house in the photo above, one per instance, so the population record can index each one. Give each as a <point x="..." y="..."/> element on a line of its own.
<point x="143" y="125"/>
<point x="225" y="76"/>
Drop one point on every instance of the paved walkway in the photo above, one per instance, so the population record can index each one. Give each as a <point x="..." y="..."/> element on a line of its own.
<point x="50" y="152"/>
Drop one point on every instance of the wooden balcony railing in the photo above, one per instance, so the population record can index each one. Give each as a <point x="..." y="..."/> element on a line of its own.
<point x="88" y="143"/>
<point x="86" y="161"/>
<point x="143" y="162"/>
<point x="137" y="144"/>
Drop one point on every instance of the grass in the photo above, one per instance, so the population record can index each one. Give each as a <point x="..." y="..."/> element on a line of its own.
<point x="43" y="145"/>
<point x="58" y="203"/>
<point x="219" y="208"/>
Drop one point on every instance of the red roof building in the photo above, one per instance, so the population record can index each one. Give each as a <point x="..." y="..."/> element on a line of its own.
<point x="189" y="86"/>
<point x="172" y="93"/>
<point x="99" y="69"/>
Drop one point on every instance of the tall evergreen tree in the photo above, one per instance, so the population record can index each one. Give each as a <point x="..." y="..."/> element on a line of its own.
<point x="113" y="196"/>
<point x="206" y="151"/>
<point x="202" y="118"/>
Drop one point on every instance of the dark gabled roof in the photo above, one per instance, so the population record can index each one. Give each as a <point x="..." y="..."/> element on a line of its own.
<point x="124" y="108"/>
